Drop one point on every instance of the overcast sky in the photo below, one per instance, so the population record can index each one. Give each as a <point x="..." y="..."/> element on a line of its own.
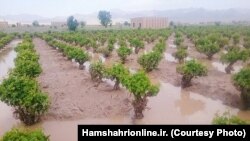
<point x="51" y="8"/>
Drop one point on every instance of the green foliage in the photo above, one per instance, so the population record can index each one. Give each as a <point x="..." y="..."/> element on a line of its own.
<point x="236" y="38"/>
<point x="209" y="49"/>
<point x="104" y="17"/>
<point x="150" y="61"/>
<point x="189" y="70"/>
<point x="97" y="71"/>
<point x="27" y="64"/>
<point x="5" y="40"/>
<point x="23" y="93"/>
<point x="160" y="47"/>
<point x="21" y="90"/>
<point x="232" y="56"/>
<point x="35" y="23"/>
<point x="227" y="119"/>
<point x="137" y="44"/>
<point x="118" y="73"/>
<point x="110" y="47"/>
<point x="140" y="86"/>
<point x="123" y="52"/>
<point x="78" y="54"/>
<point x="105" y="51"/>
<point x="24" y="135"/>
<point x="181" y="54"/>
<point x="242" y="79"/>
<point x="72" y="23"/>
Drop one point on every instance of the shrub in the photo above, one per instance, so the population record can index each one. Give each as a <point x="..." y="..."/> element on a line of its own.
<point x="24" y="95"/>
<point x="105" y="51"/>
<point x="118" y="73"/>
<point x="97" y="71"/>
<point x="242" y="82"/>
<point x="150" y="61"/>
<point x="79" y="55"/>
<point x="137" y="44"/>
<point x="181" y="54"/>
<point x="231" y="57"/>
<point x="209" y="49"/>
<point x="141" y="88"/>
<point x="160" y="47"/>
<point x="227" y="119"/>
<point x="189" y="70"/>
<point x="123" y="52"/>
<point x="24" y="135"/>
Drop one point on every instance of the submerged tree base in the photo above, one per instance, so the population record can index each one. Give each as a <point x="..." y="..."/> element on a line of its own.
<point x="139" y="106"/>
<point x="186" y="81"/>
<point x="26" y="117"/>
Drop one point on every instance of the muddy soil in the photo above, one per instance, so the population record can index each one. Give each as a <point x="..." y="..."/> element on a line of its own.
<point x="216" y="85"/>
<point x="73" y="95"/>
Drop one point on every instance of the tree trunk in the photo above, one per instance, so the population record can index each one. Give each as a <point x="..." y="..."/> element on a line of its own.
<point x="81" y="66"/>
<point x="186" y="81"/>
<point x="137" y="50"/>
<point x="26" y="117"/>
<point x="210" y="56"/>
<point x="139" y="105"/>
<point x="245" y="97"/>
<point x="116" y="86"/>
<point x="229" y="68"/>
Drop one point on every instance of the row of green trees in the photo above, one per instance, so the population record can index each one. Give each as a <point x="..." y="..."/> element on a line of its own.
<point x="4" y="40"/>
<point x="151" y="60"/>
<point x="137" y="84"/>
<point x="21" y="90"/>
<point x="71" y="52"/>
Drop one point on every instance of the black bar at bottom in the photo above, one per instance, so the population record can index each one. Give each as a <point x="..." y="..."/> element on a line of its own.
<point x="170" y="132"/>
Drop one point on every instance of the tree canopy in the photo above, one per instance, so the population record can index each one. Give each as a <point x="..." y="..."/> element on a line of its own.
<point x="72" y="23"/>
<point x="105" y="18"/>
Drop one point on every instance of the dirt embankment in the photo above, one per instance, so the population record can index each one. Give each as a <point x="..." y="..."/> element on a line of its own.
<point x="73" y="95"/>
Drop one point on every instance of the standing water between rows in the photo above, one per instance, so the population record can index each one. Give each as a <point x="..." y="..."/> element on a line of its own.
<point x="171" y="106"/>
<point x="7" y="56"/>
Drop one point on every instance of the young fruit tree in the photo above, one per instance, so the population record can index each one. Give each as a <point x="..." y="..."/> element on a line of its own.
<point x="24" y="135"/>
<point x="137" y="44"/>
<point x="141" y="88"/>
<point x="97" y="71"/>
<point x="79" y="55"/>
<point x="242" y="82"/>
<point x="180" y="54"/>
<point x="105" y="18"/>
<point x="123" y="52"/>
<point x="24" y="95"/>
<point x="150" y="61"/>
<point x="231" y="57"/>
<point x="209" y="49"/>
<point x="190" y="70"/>
<point x="118" y="73"/>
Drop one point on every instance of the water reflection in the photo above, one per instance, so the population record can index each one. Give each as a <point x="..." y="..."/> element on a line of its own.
<point x="221" y="67"/>
<point x="7" y="56"/>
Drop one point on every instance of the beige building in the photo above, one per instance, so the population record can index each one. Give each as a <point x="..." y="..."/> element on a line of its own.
<point x="58" y="24"/>
<point x="149" y="22"/>
<point x="3" y="24"/>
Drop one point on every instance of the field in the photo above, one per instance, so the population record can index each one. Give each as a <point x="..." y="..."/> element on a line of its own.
<point x="182" y="75"/>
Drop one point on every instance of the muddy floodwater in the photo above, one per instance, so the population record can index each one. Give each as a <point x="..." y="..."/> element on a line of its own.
<point x="172" y="105"/>
<point x="7" y="56"/>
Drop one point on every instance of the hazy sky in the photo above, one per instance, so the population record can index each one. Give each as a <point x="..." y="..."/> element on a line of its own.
<point x="51" y="8"/>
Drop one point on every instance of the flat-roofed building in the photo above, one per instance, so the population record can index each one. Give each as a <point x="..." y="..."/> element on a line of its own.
<point x="149" y="22"/>
<point x="3" y="24"/>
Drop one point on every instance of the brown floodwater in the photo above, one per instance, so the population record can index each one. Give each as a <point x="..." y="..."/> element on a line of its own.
<point x="172" y="105"/>
<point x="7" y="56"/>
